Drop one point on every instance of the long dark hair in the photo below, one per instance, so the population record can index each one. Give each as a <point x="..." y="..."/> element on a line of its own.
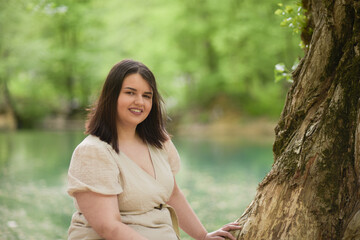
<point x="101" y="120"/>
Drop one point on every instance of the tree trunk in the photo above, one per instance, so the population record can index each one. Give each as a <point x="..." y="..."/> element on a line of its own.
<point x="8" y="116"/>
<point x="313" y="188"/>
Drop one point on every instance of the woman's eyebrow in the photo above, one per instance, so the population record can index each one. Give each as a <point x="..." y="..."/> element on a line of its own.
<point x="133" y="89"/>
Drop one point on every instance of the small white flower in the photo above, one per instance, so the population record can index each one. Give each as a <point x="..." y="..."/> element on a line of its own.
<point x="12" y="224"/>
<point x="280" y="67"/>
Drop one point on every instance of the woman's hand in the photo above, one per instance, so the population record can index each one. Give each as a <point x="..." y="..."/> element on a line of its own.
<point x="223" y="232"/>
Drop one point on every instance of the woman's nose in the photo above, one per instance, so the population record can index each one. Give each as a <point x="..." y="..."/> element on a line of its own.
<point x="139" y="100"/>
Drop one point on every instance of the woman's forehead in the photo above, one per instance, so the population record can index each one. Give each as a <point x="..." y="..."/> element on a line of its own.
<point x="137" y="82"/>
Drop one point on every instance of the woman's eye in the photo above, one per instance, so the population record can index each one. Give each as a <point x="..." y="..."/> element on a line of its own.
<point x="130" y="93"/>
<point x="147" y="96"/>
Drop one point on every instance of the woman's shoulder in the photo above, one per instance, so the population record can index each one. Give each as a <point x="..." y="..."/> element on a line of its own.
<point x="93" y="142"/>
<point x="169" y="146"/>
<point x="172" y="155"/>
<point x="92" y="148"/>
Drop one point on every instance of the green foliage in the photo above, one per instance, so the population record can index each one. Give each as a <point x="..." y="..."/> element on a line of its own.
<point x="293" y="16"/>
<point x="56" y="53"/>
<point x="233" y="46"/>
<point x="281" y="73"/>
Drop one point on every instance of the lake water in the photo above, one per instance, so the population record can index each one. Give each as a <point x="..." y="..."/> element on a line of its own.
<point x="219" y="178"/>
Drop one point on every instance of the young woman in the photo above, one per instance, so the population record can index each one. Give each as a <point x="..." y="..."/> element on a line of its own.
<point x="122" y="174"/>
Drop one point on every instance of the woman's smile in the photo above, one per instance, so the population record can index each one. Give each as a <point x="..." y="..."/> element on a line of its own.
<point x="136" y="111"/>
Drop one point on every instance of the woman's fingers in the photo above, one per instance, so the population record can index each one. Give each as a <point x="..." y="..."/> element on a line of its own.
<point x="217" y="235"/>
<point x="231" y="226"/>
<point x="224" y="232"/>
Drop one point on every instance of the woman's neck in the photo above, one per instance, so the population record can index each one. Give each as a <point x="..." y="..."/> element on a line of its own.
<point x="127" y="134"/>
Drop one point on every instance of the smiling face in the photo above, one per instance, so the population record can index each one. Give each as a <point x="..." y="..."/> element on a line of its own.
<point x="134" y="102"/>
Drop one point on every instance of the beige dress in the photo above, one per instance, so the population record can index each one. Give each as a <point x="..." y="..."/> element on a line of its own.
<point x="96" y="167"/>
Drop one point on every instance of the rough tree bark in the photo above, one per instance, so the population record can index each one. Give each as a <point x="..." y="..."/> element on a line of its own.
<point x="313" y="188"/>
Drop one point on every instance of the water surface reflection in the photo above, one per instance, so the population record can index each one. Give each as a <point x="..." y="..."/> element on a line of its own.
<point x="218" y="177"/>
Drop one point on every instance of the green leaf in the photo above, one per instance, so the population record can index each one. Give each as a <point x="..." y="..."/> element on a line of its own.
<point x="279" y="12"/>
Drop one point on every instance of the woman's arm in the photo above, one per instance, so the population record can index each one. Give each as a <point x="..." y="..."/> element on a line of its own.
<point x="188" y="220"/>
<point x="190" y="223"/>
<point x="102" y="213"/>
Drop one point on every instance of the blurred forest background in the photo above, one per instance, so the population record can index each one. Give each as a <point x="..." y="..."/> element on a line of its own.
<point x="217" y="63"/>
<point x="212" y="59"/>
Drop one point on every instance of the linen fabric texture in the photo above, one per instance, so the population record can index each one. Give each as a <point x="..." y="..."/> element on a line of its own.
<point x="96" y="167"/>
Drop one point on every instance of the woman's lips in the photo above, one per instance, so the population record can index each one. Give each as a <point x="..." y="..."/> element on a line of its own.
<point x="136" y="111"/>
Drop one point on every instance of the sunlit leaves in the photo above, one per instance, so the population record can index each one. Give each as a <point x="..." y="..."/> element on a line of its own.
<point x="293" y="16"/>
<point x="48" y="7"/>
<point x="230" y="49"/>
<point x="198" y="50"/>
<point x="282" y="73"/>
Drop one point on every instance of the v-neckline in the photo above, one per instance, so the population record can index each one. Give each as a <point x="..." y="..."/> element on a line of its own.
<point x="140" y="168"/>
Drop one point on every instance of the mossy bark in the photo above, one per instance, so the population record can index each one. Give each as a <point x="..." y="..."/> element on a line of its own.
<point x="313" y="188"/>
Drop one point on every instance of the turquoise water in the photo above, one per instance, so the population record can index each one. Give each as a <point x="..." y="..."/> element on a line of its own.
<point x="219" y="179"/>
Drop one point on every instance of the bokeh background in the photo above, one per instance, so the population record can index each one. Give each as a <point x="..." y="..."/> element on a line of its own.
<point x="222" y="68"/>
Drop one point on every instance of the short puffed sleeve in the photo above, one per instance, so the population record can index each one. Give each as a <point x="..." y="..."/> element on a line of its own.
<point x="93" y="168"/>
<point x="173" y="156"/>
